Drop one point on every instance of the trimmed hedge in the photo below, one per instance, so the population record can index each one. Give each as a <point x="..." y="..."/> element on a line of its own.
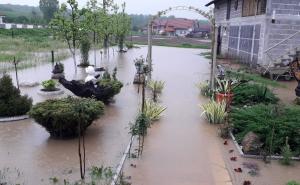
<point x="267" y="120"/>
<point x="11" y="102"/>
<point x="251" y="94"/>
<point x="61" y="117"/>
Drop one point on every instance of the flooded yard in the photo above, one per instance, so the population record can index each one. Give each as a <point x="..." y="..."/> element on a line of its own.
<point x="180" y="149"/>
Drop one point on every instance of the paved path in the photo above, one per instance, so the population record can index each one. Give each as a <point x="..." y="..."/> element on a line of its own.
<point x="180" y="149"/>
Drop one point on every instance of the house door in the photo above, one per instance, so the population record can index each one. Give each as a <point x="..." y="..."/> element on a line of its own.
<point x="219" y="40"/>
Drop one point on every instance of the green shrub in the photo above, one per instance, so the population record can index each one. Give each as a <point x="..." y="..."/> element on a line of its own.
<point x="215" y="112"/>
<point x="251" y="94"/>
<point x="61" y="117"/>
<point x="49" y="85"/>
<point x="293" y="183"/>
<point x="271" y="123"/>
<point x="156" y="88"/>
<point x="287" y="155"/>
<point x="139" y="128"/>
<point x="111" y="82"/>
<point x="11" y="102"/>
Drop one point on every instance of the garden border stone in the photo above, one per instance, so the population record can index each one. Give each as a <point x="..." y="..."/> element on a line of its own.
<point x="50" y="93"/>
<point x="14" y="118"/>
<point x="242" y="154"/>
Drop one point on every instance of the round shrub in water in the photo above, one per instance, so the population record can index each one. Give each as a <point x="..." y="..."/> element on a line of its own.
<point x="11" y="102"/>
<point x="61" y="117"/>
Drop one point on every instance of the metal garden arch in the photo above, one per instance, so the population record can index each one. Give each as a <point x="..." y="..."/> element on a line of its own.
<point x="208" y="15"/>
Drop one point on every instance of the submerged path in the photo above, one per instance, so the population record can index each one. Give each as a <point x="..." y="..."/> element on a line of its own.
<point x="180" y="149"/>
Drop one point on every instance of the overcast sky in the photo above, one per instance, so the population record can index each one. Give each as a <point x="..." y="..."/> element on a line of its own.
<point x="137" y="6"/>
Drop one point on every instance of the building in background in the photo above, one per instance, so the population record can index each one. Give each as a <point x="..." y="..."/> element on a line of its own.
<point x="174" y="26"/>
<point x="258" y="32"/>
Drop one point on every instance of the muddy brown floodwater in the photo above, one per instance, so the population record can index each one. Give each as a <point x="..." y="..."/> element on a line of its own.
<point x="26" y="146"/>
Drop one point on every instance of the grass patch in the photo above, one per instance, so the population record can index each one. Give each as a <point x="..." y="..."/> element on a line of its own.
<point x="242" y="75"/>
<point x="183" y="45"/>
<point x="206" y="55"/>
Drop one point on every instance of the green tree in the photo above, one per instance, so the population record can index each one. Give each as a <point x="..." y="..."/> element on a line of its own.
<point x="106" y="26"/>
<point x="68" y="25"/>
<point x="122" y="23"/>
<point x="49" y="7"/>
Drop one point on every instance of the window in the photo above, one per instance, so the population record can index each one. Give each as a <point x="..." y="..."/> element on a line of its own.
<point x="254" y="7"/>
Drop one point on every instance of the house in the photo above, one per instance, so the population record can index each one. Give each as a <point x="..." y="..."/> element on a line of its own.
<point x="174" y="26"/>
<point x="1" y="18"/>
<point x="258" y="32"/>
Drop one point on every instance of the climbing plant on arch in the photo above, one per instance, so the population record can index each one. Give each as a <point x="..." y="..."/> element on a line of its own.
<point x="208" y="15"/>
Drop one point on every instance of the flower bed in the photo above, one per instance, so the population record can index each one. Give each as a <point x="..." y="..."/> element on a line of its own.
<point x="272" y="124"/>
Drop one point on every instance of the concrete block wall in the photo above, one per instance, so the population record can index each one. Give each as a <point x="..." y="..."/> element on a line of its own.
<point x="245" y="35"/>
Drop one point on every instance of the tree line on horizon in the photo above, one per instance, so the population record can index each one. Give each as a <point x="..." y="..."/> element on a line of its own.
<point x="23" y="14"/>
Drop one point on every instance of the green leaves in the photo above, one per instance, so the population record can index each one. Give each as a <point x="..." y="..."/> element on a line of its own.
<point x="61" y="117"/>
<point x="153" y="110"/>
<point x="215" y="112"/>
<point x="251" y="94"/>
<point x="266" y="119"/>
<point x="49" y="85"/>
<point x="11" y="102"/>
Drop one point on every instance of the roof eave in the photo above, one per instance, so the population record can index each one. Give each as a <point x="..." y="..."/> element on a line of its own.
<point x="212" y="2"/>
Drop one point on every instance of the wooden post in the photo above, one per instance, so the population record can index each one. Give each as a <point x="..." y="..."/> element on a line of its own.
<point x="16" y="70"/>
<point x="52" y="58"/>
<point x="95" y="55"/>
<point x="149" y="56"/>
<point x="214" y="61"/>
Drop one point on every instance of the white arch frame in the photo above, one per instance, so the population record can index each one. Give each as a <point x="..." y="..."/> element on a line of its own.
<point x="208" y="15"/>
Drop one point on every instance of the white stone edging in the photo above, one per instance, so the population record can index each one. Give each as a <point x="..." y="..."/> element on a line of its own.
<point x="15" y="118"/>
<point x="121" y="163"/>
<point x="242" y="154"/>
<point x="50" y="93"/>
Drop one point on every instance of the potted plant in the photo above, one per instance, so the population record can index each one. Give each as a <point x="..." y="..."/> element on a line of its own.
<point x="49" y="88"/>
<point x="224" y="90"/>
<point x="49" y="85"/>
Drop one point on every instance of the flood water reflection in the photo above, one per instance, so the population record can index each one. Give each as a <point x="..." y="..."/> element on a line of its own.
<point x="26" y="146"/>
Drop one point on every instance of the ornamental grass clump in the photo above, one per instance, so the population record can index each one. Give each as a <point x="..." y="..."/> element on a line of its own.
<point x="12" y="103"/>
<point x="60" y="117"/>
<point x="153" y="110"/>
<point x="205" y="89"/>
<point x="156" y="87"/>
<point x="215" y="112"/>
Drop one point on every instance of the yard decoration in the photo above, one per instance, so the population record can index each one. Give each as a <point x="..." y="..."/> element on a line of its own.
<point x="58" y="71"/>
<point x="103" y="90"/>
<point x="142" y="68"/>
<point x="295" y="67"/>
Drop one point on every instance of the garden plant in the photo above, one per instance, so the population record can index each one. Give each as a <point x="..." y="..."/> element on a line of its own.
<point x="272" y="123"/>
<point x="49" y="85"/>
<point x="60" y="116"/>
<point x="12" y="103"/>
